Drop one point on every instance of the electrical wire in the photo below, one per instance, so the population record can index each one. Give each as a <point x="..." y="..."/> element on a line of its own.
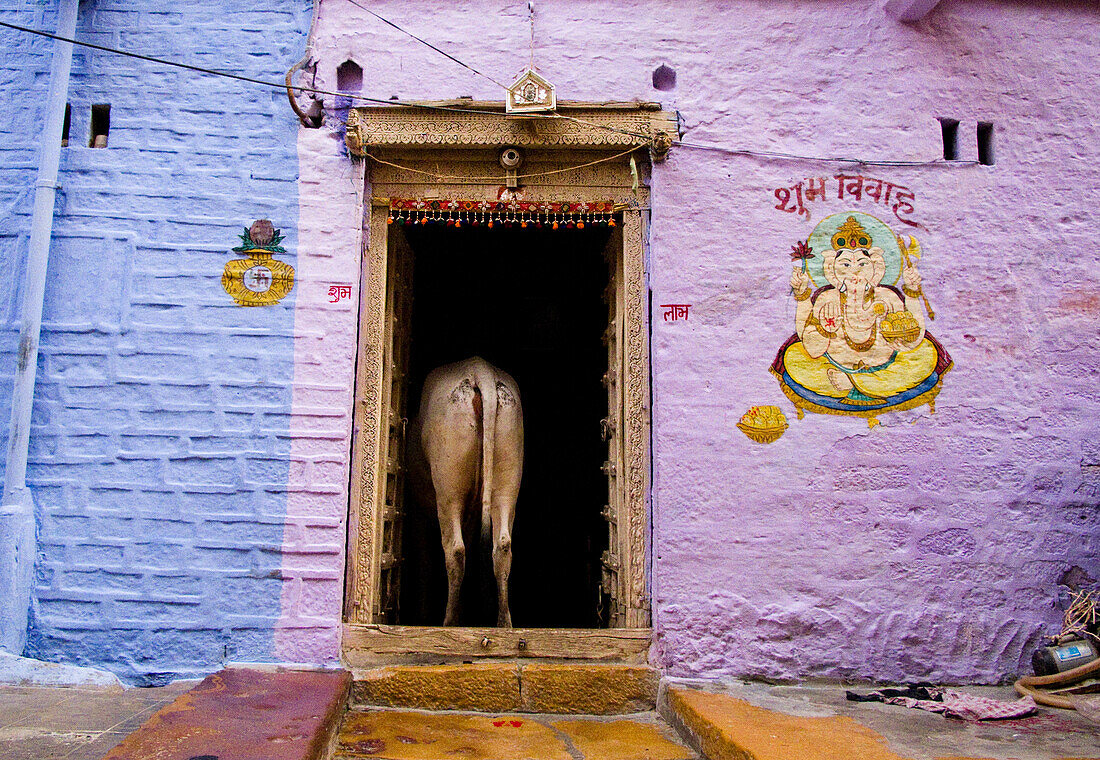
<point x="824" y="159"/>
<point x="647" y="138"/>
<point x="454" y="109"/>
<point x="188" y="66"/>
<point x="425" y="42"/>
<point x="531" y="13"/>
<point x="498" y="178"/>
<point x="304" y="88"/>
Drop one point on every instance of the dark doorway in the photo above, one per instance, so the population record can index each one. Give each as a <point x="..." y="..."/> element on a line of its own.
<point x="530" y="301"/>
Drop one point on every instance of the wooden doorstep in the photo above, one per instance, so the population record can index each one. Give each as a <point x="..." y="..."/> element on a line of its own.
<point x="368" y="644"/>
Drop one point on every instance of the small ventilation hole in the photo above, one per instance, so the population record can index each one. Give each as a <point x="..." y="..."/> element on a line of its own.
<point x="349" y="80"/>
<point x="101" y="125"/>
<point x="950" y="130"/>
<point x="349" y="77"/>
<point x="985" y="143"/>
<point x="664" y="78"/>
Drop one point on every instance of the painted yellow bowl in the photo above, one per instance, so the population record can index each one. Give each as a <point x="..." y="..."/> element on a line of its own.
<point x="763" y="424"/>
<point x="900" y="326"/>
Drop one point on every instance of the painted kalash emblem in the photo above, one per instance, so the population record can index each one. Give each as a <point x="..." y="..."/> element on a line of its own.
<point x="861" y="346"/>
<point x="260" y="279"/>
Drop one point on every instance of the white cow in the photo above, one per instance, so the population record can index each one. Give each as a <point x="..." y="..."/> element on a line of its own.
<point x="470" y="434"/>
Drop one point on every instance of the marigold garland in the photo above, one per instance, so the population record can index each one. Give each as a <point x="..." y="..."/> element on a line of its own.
<point x="507" y="214"/>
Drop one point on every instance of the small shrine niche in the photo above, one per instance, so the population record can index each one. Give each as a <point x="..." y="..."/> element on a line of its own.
<point x="531" y="93"/>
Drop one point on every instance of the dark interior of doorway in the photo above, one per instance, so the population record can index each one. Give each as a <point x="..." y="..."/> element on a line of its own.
<point x="530" y="302"/>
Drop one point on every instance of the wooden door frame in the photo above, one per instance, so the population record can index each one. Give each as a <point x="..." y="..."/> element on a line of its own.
<point x="420" y="132"/>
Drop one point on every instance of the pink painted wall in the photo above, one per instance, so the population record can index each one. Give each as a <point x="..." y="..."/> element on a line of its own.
<point x="927" y="547"/>
<point x="320" y="425"/>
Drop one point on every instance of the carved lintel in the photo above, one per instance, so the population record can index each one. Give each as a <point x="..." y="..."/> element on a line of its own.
<point x="590" y="127"/>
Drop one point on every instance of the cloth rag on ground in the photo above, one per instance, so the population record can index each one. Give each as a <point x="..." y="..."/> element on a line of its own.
<point x="953" y="704"/>
<point x="1087" y="705"/>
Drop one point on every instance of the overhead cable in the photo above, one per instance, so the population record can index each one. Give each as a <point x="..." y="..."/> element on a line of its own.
<point x="498" y="178"/>
<point x="188" y="66"/>
<point x="827" y="159"/>
<point x="425" y="42"/>
<point x="456" y="109"/>
<point x="304" y="88"/>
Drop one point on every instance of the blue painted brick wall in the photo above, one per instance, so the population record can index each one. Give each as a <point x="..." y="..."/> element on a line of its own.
<point x="159" y="445"/>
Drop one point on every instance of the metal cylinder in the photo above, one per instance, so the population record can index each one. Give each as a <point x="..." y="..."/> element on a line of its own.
<point x="1047" y="661"/>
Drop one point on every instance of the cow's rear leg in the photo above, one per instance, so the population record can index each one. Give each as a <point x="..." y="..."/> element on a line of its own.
<point x="454" y="553"/>
<point x="452" y="447"/>
<point x="503" y="512"/>
<point x="507" y="474"/>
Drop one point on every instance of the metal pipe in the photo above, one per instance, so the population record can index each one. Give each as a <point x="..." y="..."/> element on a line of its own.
<point x="309" y="120"/>
<point x="17" y="541"/>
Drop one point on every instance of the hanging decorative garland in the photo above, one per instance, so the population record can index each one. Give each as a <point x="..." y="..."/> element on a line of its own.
<point x="507" y="214"/>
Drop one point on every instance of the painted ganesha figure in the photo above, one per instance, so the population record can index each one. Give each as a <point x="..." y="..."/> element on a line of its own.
<point x="860" y="346"/>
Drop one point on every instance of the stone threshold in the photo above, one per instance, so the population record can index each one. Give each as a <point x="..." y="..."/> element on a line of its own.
<point x="246" y="714"/>
<point x="386" y="734"/>
<point x="510" y="686"/>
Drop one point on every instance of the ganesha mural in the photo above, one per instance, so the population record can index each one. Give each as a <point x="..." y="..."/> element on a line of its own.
<point x="861" y="345"/>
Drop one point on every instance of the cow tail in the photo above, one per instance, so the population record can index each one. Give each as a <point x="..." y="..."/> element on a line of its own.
<point x="487" y="384"/>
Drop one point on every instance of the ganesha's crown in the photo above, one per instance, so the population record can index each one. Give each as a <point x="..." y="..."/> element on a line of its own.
<point x="851" y="235"/>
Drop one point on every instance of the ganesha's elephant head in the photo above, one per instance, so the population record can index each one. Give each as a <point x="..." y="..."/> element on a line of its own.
<point x="854" y="269"/>
<point x="854" y="264"/>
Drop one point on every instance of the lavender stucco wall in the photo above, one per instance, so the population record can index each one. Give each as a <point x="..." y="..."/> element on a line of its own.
<point x="190" y="458"/>
<point x="931" y="545"/>
<point x="160" y="446"/>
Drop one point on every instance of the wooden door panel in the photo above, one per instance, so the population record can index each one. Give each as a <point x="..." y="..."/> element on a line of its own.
<point x="611" y="591"/>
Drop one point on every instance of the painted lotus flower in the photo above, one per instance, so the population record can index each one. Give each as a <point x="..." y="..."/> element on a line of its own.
<point x="800" y="251"/>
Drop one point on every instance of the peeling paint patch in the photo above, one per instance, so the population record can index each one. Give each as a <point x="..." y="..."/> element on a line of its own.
<point x="26" y="348"/>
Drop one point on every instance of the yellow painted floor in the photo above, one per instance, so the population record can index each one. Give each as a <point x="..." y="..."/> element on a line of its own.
<point x="409" y="735"/>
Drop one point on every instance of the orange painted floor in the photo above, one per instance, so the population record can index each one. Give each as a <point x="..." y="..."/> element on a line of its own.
<point x="411" y="735"/>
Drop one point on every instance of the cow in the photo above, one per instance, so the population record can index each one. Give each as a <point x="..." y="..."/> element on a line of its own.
<point x="467" y="450"/>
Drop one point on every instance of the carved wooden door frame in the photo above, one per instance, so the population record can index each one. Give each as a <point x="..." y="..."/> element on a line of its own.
<point x="459" y="145"/>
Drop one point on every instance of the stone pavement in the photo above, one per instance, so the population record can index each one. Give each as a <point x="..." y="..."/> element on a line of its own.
<point x="70" y="723"/>
<point x="731" y="721"/>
